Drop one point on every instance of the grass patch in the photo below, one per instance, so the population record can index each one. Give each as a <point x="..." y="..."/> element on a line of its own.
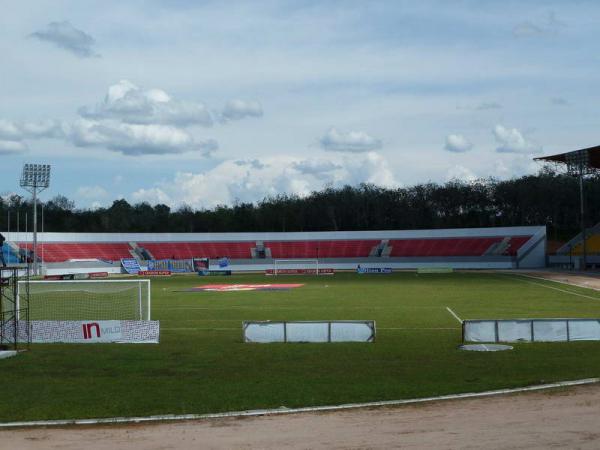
<point x="202" y="365"/>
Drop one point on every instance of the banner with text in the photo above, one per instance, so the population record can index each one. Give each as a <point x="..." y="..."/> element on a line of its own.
<point x="131" y="265"/>
<point x="91" y="331"/>
<point x="172" y="265"/>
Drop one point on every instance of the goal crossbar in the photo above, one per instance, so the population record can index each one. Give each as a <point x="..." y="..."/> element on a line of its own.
<point x="93" y="295"/>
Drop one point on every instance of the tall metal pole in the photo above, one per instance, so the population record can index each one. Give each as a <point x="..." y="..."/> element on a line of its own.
<point x="35" y="178"/>
<point x="42" y="244"/>
<point x="582" y="211"/>
<point x="35" y="264"/>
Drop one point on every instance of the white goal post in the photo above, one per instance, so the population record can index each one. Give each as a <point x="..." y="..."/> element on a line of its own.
<point x="87" y="300"/>
<point x="282" y="265"/>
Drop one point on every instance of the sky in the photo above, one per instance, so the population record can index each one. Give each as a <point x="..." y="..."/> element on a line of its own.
<point x="206" y="103"/>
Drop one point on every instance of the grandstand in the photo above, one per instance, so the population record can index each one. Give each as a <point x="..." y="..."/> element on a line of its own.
<point x="570" y="254"/>
<point x="468" y="248"/>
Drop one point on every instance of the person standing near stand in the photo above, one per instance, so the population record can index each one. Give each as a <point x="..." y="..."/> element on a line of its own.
<point x="2" y="239"/>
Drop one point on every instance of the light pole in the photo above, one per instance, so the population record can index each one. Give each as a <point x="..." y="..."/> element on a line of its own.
<point x="34" y="179"/>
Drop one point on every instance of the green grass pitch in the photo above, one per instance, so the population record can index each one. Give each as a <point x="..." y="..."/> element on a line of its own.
<point x="201" y="364"/>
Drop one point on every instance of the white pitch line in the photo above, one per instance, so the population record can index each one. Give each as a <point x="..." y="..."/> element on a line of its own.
<point x="284" y="410"/>
<point x="454" y="315"/>
<point x="555" y="288"/>
<point x="557" y="281"/>
<point x="199" y="328"/>
<point x="379" y="328"/>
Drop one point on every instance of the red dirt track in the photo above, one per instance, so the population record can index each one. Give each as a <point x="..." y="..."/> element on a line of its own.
<point x="565" y="418"/>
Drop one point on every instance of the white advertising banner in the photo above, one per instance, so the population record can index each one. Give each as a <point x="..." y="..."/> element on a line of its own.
<point x="531" y="330"/>
<point x="263" y="332"/>
<point x="310" y="331"/>
<point x="91" y="331"/>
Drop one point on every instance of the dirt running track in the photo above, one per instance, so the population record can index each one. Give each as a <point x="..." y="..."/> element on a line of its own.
<point x="566" y="418"/>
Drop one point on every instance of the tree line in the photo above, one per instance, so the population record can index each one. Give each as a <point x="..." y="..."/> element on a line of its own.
<point x="547" y="198"/>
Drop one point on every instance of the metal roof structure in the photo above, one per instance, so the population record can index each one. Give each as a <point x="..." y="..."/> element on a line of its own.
<point x="579" y="162"/>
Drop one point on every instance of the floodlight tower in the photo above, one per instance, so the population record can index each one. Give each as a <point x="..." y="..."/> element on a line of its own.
<point x="579" y="163"/>
<point x="34" y="179"/>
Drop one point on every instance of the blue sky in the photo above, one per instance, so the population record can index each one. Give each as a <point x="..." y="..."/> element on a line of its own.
<point x="209" y="103"/>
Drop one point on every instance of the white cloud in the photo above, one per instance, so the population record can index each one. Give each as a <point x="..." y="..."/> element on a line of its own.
<point x="315" y="166"/>
<point x="512" y="140"/>
<point x="92" y="192"/>
<point x="13" y="134"/>
<point x="153" y="196"/>
<point x="7" y="147"/>
<point x="18" y="131"/>
<point x="550" y="25"/>
<point x="457" y="143"/>
<point x="514" y="166"/>
<point x="67" y="37"/>
<point x="353" y="141"/>
<point x="10" y="131"/>
<point x="483" y="106"/>
<point x="460" y="173"/>
<point x="128" y="103"/>
<point x="132" y="139"/>
<point x="240" y="109"/>
<point x="250" y="181"/>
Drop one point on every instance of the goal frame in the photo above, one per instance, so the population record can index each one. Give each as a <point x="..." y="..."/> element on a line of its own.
<point x="148" y="298"/>
<point x="295" y="261"/>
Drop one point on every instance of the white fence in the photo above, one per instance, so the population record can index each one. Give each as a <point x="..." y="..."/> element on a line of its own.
<point x="531" y="330"/>
<point x="310" y="331"/>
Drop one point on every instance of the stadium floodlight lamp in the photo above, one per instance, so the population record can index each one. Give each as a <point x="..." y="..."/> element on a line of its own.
<point x="34" y="179"/>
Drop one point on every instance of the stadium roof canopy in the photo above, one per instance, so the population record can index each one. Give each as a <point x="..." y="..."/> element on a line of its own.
<point x="586" y="160"/>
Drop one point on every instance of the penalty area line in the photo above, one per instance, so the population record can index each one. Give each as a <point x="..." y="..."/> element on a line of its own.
<point x="454" y="314"/>
<point x="284" y="410"/>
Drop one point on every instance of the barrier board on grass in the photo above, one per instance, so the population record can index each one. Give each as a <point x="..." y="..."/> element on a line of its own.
<point x="90" y="331"/>
<point x="310" y="331"/>
<point x="531" y="330"/>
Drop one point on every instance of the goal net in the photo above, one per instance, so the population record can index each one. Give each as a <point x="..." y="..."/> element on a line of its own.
<point x="295" y="266"/>
<point x="88" y="300"/>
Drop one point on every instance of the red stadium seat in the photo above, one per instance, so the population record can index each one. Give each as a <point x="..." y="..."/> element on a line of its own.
<point x="468" y="246"/>
<point x="64" y="251"/>
<point x="185" y="250"/>
<point x="350" y="248"/>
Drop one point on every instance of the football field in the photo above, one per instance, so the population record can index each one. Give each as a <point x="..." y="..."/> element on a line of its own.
<point x="201" y="364"/>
